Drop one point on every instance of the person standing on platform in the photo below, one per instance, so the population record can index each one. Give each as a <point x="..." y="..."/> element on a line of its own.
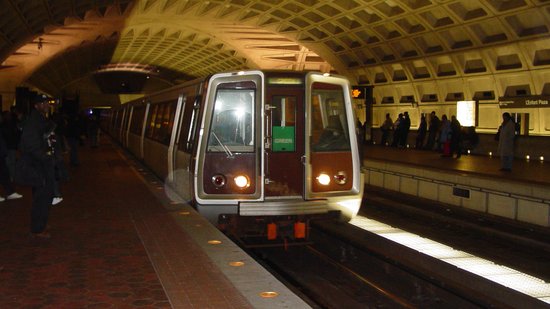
<point x="37" y="148"/>
<point x="506" y="142"/>
<point x="397" y="127"/>
<point x="5" y="176"/>
<point x="12" y="135"/>
<point x="422" y="128"/>
<point x="456" y="137"/>
<point x="386" y="127"/>
<point x="445" y="137"/>
<point x="432" y="130"/>
<point x="405" y="127"/>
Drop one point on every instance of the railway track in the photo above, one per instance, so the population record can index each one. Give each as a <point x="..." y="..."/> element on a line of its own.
<point x="333" y="273"/>
<point x="346" y="267"/>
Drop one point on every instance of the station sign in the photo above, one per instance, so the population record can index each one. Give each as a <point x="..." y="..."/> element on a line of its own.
<point x="534" y="101"/>
<point x="466" y="113"/>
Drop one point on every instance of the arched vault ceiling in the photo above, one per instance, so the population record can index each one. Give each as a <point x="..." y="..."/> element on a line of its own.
<point x="370" y="41"/>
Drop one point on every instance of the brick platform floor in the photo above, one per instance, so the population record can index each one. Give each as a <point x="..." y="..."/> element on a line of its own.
<point x="95" y="258"/>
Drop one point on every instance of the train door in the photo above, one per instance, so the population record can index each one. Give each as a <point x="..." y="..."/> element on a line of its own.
<point x="229" y="157"/>
<point x="284" y="135"/>
<point x="332" y="159"/>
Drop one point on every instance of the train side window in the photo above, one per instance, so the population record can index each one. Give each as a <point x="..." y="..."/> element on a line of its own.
<point x="165" y="122"/>
<point x="137" y="120"/>
<point x="186" y="129"/>
<point x="105" y="119"/>
<point x="118" y="120"/>
<point x="158" y="122"/>
<point x="151" y="123"/>
<point x="126" y="119"/>
<point x="232" y="125"/>
<point x="194" y="124"/>
<point x="329" y="126"/>
<point x="113" y="119"/>
<point x="283" y="123"/>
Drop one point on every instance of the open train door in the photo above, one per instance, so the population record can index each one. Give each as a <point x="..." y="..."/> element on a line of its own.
<point x="284" y="137"/>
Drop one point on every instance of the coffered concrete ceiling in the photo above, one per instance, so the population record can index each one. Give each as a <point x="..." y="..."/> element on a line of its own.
<point x="57" y="45"/>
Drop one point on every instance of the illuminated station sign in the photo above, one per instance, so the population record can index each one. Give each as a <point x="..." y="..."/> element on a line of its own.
<point x="466" y="113"/>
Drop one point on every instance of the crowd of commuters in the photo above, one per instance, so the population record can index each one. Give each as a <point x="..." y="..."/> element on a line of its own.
<point x="447" y="136"/>
<point x="442" y="135"/>
<point x="32" y="149"/>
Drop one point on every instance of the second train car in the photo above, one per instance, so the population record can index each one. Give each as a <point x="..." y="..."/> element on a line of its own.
<point x="256" y="152"/>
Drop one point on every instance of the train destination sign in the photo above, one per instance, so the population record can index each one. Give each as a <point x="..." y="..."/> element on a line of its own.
<point x="283" y="138"/>
<point x="524" y="102"/>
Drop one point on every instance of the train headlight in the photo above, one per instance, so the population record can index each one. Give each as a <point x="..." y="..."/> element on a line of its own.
<point x="218" y="180"/>
<point x="323" y="179"/>
<point x="242" y="181"/>
<point x="341" y="178"/>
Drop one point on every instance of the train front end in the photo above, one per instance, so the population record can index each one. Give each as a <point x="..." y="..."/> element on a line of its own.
<point x="277" y="149"/>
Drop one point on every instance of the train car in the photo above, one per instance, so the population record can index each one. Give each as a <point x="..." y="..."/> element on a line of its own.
<point x="256" y="152"/>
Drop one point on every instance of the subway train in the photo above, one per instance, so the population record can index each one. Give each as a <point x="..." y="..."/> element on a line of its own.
<point x="258" y="153"/>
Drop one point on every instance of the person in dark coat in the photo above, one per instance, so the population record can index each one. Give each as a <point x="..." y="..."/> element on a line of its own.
<point x="433" y="128"/>
<point x="445" y="137"/>
<point x="37" y="149"/>
<point x="386" y="127"/>
<point x="456" y="137"/>
<point x="506" y="142"/>
<point x="405" y="127"/>
<point x="421" y="134"/>
<point x="5" y="177"/>
<point x="398" y="128"/>
<point x="11" y="133"/>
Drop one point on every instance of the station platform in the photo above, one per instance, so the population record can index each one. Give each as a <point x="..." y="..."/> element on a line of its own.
<point x="532" y="171"/>
<point x="117" y="241"/>
<point x="472" y="181"/>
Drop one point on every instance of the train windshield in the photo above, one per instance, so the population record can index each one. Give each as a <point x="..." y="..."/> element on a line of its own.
<point x="329" y="125"/>
<point x="232" y="128"/>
